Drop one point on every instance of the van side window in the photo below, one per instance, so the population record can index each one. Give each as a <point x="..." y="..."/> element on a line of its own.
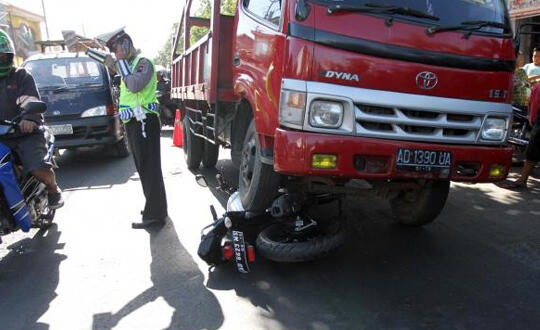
<point x="269" y="10"/>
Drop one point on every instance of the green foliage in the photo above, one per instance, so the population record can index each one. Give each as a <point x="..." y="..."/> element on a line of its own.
<point x="228" y="7"/>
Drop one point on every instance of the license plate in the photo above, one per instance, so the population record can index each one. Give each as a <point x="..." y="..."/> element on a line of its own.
<point x="240" y="253"/>
<point x="66" y="129"/>
<point x="419" y="160"/>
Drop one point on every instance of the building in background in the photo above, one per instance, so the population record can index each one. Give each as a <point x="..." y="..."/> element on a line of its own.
<point x="526" y="11"/>
<point x="23" y="26"/>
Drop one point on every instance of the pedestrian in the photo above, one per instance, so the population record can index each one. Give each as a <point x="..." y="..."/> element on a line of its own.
<point x="532" y="155"/>
<point x="139" y="111"/>
<point x="533" y="69"/>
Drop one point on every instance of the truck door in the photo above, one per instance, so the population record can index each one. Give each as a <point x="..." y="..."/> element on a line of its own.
<point x="258" y="59"/>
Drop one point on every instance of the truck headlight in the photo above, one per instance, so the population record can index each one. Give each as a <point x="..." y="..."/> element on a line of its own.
<point x="326" y="114"/>
<point x="94" y="112"/>
<point x="292" y="108"/>
<point x="494" y="129"/>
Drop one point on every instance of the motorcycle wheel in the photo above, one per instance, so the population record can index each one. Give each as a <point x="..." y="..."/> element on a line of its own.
<point x="281" y="244"/>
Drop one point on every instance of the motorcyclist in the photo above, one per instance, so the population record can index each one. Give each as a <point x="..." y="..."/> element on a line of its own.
<point x="164" y="95"/>
<point x="17" y="87"/>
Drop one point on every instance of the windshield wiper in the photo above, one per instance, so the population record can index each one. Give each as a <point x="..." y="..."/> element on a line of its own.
<point x="468" y="26"/>
<point x="54" y="88"/>
<point x="381" y="9"/>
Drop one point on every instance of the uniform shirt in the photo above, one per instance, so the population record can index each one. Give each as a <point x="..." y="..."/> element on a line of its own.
<point x="16" y="90"/>
<point x="531" y="69"/>
<point x="137" y="80"/>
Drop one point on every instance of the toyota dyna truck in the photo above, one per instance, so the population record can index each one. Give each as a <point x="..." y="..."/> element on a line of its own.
<point x="392" y="97"/>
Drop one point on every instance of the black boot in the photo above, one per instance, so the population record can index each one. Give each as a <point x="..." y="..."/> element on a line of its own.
<point x="55" y="200"/>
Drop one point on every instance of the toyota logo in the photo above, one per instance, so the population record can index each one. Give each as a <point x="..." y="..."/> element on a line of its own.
<point x="426" y="80"/>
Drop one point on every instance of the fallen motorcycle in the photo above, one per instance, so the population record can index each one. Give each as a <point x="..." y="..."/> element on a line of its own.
<point x="23" y="201"/>
<point x="285" y="232"/>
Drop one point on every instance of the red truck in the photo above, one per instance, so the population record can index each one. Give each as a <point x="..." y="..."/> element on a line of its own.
<point x="384" y="96"/>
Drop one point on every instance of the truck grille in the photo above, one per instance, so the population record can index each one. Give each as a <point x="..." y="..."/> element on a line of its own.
<point x="416" y="125"/>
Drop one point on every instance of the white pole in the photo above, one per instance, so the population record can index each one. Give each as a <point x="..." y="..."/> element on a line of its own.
<point x="45" y="16"/>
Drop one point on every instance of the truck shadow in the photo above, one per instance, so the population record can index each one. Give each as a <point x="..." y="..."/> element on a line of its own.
<point x="177" y="279"/>
<point x="29" y="276"/>
<point x="476" y="267"/>
<point x="103" y="169"/>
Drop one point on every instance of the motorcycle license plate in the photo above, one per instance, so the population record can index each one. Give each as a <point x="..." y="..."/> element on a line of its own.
<point x="66" y="129"/>
<point x="418" y="160"/>
<point x="240" y="253"/>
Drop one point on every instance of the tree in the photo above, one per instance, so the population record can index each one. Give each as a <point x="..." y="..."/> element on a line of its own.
<point x="164" y="55"/>
<point x="228" y="7"/>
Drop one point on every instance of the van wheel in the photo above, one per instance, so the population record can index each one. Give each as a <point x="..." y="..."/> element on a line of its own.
<point x="193" y="146"/>
<point x="258" y="183"/>
<point x="121" y="148"/>
<point x="211" y="154"/>
<point x="282" y="244"/>
<point x="420" y="207"/>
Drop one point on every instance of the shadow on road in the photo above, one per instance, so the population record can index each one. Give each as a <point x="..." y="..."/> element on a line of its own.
<point x="29" y="275"/>
<point x="102" y="170"/>
<point x="178" y="280"/>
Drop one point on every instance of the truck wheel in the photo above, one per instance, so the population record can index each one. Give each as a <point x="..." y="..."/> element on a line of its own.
<point x="257" y="183"/>
<point x="193" y="146"/>
<point x="420" y="207"/>
<point x="277" y="243"/>
<point x="211" y="154"/>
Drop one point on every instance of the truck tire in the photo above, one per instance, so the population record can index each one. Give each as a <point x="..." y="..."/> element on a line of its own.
<point x="193" y="146"/>
<point x="257" y="182"/>
<point x="272" y="245"/>
<point x="211" y="154"/>
<point x="420" y="207"/>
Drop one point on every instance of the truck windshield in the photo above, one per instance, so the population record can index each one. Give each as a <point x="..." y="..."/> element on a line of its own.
<point x="66" y="73"/>
<point x="446" y="12"/>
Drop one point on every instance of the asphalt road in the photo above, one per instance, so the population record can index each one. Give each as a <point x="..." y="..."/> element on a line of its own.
<point x="477" y="267"/>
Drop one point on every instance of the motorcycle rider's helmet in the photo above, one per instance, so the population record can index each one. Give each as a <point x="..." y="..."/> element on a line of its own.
<point x="8" y="51"/>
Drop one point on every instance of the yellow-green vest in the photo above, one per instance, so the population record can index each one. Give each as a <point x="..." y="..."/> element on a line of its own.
<point x="145" y="97"/>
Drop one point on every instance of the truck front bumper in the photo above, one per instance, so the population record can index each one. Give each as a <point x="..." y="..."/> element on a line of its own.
<point x="294" y="150"/>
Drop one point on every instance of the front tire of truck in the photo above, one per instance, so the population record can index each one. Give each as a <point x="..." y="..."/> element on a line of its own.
<point x="193" y="146"/>
<point x="415" y="208"/>
<point x="258" y="183"/>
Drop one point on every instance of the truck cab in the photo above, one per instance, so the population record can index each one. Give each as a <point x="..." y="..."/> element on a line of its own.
<point x="401" y="96"/>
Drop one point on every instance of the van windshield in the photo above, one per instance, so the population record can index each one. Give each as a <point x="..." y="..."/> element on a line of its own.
<point x="66" y="73"/>
<point x="448" y="12"/>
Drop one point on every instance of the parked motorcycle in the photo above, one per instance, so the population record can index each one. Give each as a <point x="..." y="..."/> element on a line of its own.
<point x="520" y="133"/>
<point x="23" y="201"/>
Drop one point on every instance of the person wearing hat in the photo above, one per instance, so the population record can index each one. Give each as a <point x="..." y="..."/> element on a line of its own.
<point x="17" y="87"/>
<point x="138" y="110"/>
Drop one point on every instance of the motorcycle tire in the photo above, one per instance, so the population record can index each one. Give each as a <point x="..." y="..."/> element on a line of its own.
<point x="273" y="244"/>
<point x="420" y="207"/>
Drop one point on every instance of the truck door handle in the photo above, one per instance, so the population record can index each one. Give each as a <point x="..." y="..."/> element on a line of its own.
<point x="236" y="59"/>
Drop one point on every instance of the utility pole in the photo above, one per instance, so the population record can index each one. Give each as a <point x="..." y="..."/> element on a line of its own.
<point x="45" y="16"/>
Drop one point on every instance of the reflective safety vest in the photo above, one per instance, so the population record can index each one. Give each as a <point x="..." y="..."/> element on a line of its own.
<point x="145" y="97"/>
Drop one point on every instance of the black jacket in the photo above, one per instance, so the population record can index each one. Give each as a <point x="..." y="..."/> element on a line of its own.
<point x="15" y="90"/>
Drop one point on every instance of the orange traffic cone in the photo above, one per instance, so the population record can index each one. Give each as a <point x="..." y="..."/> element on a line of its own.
<point x="178" y="134"/>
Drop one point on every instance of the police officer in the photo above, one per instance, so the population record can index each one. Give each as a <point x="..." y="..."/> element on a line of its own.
<point x="17" y="87"/>
<point x="138" y="109"/>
